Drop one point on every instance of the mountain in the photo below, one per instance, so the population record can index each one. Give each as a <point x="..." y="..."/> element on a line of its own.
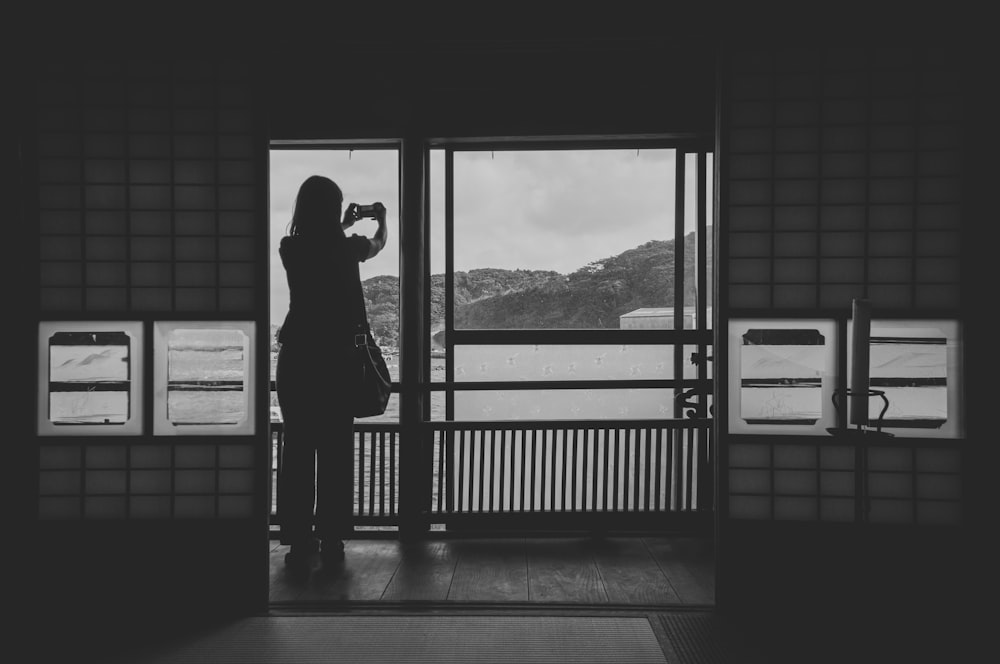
<point x="594" y="296"/>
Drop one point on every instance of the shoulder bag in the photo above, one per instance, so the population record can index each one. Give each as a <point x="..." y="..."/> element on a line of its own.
<point x="371" y="395"/>
<point x="374" y="383"/>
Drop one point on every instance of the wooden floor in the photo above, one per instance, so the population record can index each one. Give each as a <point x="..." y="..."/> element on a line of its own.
<point x="613" y="571"/>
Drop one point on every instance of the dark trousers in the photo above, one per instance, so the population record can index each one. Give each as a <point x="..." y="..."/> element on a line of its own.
<point x="316" y="482"/>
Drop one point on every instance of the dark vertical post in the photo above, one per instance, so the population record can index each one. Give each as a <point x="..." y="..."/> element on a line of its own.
<point x="449" y="281"/>
<point x="679" y="286"/>
<point x="860" y="340"/>
<point x="415" y="475"/>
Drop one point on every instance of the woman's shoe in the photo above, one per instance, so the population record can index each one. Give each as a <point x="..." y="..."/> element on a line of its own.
<point x="299" y="556"/>
<point x="332" y="552"/>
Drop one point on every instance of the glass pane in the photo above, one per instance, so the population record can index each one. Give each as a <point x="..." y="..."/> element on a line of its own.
<point x="364" y="176"/>
<point x="564" y="404"/>
<point x="566" y="238"/>
<point x="586" y="362"/>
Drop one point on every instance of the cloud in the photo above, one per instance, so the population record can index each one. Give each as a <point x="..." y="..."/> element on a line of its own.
<point x="559" y="209"/>
<point x="544" y="210"/>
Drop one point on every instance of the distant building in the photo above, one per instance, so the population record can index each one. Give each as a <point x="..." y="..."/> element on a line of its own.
<point x="659" y="318"/>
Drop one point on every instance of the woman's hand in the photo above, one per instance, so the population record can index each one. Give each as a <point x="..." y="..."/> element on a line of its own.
<point x="350" y="216"/>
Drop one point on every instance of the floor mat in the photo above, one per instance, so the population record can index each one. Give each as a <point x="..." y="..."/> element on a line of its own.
<point x="398" y="639"/>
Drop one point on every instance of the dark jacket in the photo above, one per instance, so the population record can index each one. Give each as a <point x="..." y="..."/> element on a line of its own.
<point x="324" y="284"/>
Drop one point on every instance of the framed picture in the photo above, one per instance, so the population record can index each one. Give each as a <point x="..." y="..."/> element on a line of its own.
<point x="917" y="365"/>
<point x="203" y="377"/>
<point x="90" y="378"/>
<point x="784" y="376"/>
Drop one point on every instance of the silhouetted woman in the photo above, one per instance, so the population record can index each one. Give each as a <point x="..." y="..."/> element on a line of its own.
<point x="316" y="339"/>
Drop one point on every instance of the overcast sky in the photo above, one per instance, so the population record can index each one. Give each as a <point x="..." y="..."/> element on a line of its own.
<point x="556" y="210"/>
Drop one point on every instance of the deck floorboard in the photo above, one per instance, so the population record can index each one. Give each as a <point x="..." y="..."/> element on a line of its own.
<point x="584" y="571"/>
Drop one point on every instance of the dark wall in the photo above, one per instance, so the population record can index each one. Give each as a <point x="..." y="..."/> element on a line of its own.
<point x="451" y="89"/>
<point x="868" y="591"/>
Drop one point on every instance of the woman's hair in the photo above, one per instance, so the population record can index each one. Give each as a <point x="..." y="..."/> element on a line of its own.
<point x="317" y="206"/>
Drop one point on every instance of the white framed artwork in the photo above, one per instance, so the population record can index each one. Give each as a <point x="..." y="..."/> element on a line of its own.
<point x="917" y="365"/>
<point x="90" y="378"/>
<point x="203" y="378"/>
<point x="784" y="376"/>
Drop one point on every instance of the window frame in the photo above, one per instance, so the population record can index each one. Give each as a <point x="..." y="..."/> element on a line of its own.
<point x="701" y="337"/>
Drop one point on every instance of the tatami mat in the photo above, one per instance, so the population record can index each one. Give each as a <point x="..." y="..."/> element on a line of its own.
<point x="400" y="639"/>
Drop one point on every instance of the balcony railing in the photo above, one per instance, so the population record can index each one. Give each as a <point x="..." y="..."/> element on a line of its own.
<point x="578" y="475"/>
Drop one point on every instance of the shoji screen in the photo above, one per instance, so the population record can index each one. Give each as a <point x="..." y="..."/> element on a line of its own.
<point x="149" y="203"/>
<point x="842" y="171"/>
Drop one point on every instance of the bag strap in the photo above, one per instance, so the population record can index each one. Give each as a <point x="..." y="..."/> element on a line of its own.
<point x="362" y="329"/>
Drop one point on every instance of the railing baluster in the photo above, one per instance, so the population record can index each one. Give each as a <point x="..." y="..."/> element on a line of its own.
<point x="682" y="462"/>
<point x="590" y="484"/>
<point x="565" y="467"/>
<point x="361" y="480"/>
<point x="580" y="469"/>
<point x="647" y="469"/>
<point x="393" y="500"/>
<point x="461" y="470"/>
<point x="555" y="455"/>
<point x="689" y="466"/>
<point x="659" y="468"/>
<point x="664" y="472"/>
<point x="529" y="502"/>
<point x="553" y="484"/>
<point x="571" y="501"/>
<point x="621" y="470"/>
<point x="436" y="441"/>
<point x="493" y="452"/>
<point x="612" y="472"/>
<point x="515" y="438"/>
<point x="667" y="470"/>
<point x="674" y="452"/>
<point x="370" y="453"/>
<point x="623" y="460"/>
<point x="523" y="506"/>
<point x="448" y="440"/>
<point x="685" y="458"/>
<point x="542" y="475"/>
<point x="633" y="477"/>
<point x="705" y="471"/>
<point x="481" y="451"/>
<point x="379" y="502"/>
<point x="607" y="477"/>
<point x="502" y="478"/>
